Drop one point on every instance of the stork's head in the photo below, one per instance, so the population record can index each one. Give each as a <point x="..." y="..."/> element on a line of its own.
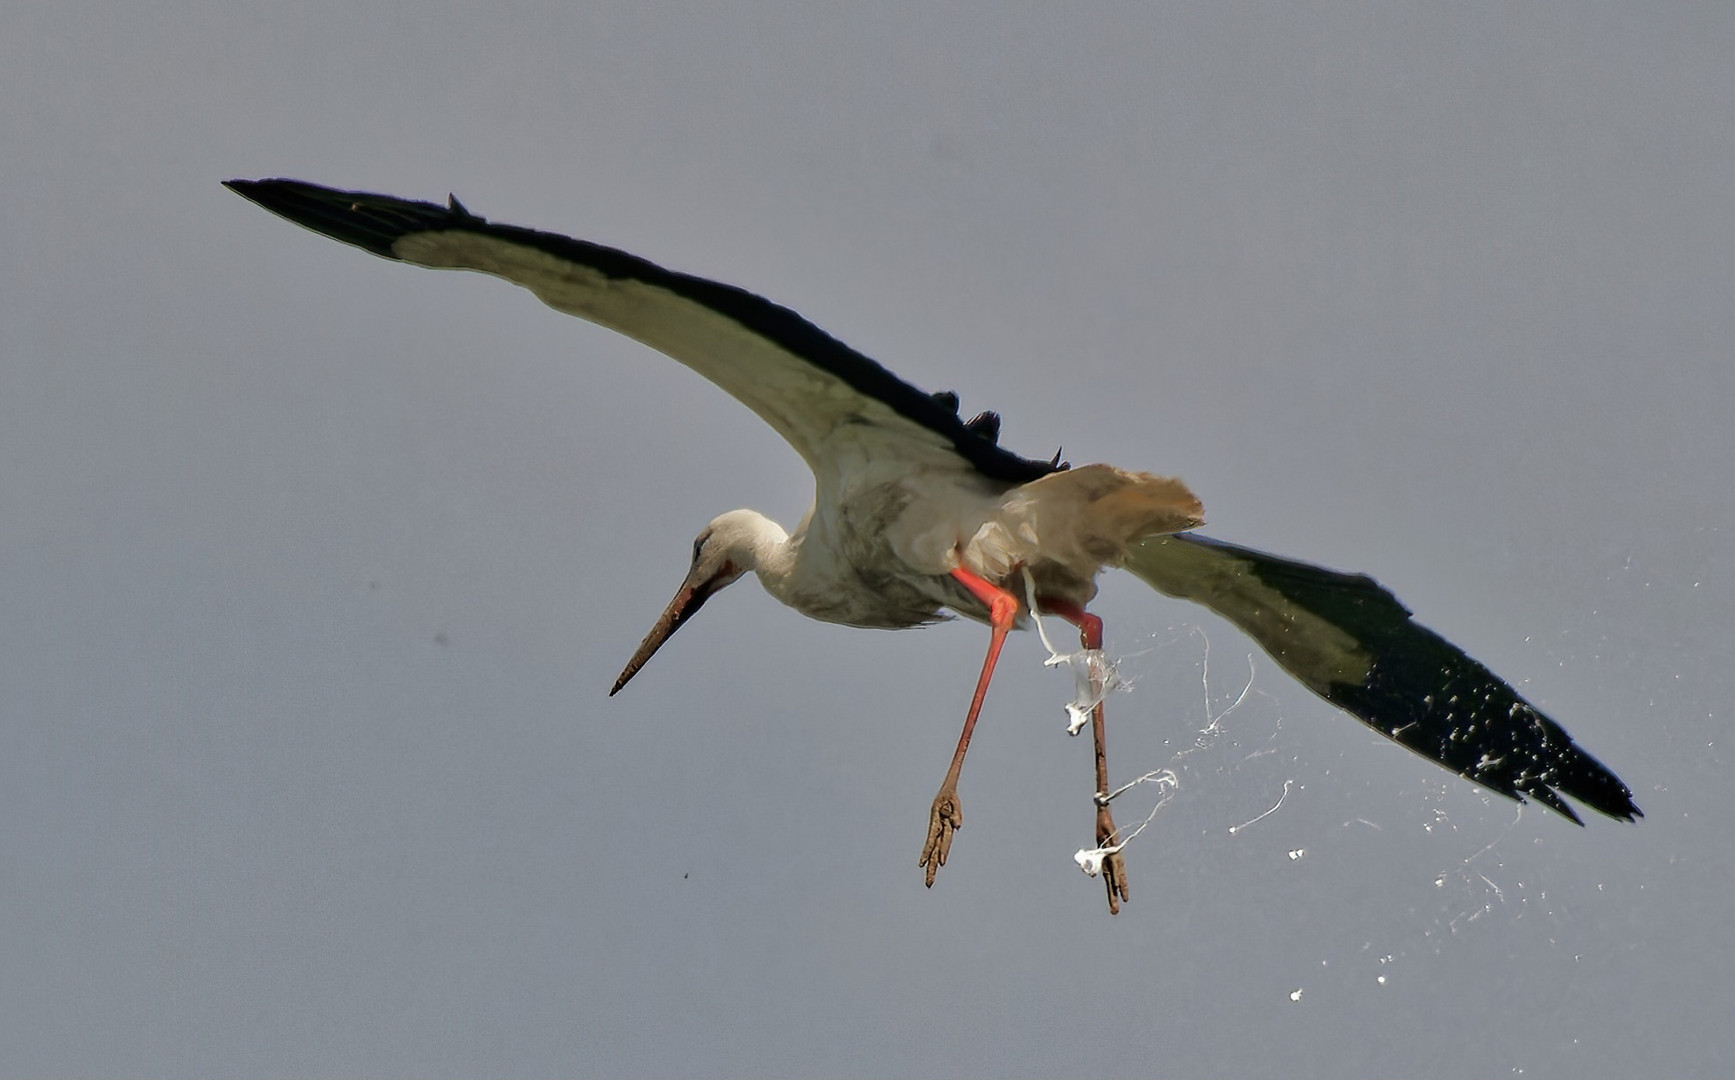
<point x="729" y="546"/>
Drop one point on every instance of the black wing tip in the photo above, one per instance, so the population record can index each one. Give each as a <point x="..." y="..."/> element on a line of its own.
<point x="1459" y="714"/>
<point x="368" y="221"/>
<point x="1608" y="797"/>
<point x="1592" y="784"/>
<point x="1429" y="696"/>
<point x="1540" y="760"/>
<point x="1623" y="810"/>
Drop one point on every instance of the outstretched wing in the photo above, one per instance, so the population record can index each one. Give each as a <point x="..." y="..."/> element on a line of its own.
<point x="1352" y="643"/>
<point x="798" y="378"/>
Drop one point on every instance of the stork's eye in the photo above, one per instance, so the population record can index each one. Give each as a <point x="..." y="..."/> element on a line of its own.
<point x="699" y="545"/>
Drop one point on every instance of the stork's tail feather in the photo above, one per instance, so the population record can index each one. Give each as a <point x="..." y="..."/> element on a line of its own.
<point x="1355" y="645"/>
<point x="1105" y="510"/>
<point x="1144" y="505"/>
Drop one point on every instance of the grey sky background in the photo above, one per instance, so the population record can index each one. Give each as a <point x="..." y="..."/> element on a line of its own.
<point x="316" y="569"/>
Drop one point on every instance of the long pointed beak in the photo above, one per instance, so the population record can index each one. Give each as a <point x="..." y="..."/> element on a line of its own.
<point x="690" y="598"/>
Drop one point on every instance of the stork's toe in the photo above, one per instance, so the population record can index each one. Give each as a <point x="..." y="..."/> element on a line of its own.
<point x="1114" y="868"/>
<point x="944" y="820"/>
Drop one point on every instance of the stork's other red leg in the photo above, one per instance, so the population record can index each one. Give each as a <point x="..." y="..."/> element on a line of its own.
<point x="1114" y="870"/>
<point x="947" y="817"/>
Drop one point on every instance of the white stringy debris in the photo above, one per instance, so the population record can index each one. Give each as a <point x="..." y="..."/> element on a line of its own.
<point x="1233" y="829"/>
<point x="1160" y="776"/>
<point x="1214" y="720"/>
<point x="1093" y="673"/>
<point x="1093" y="676"/>
<point x="1090" y="860"/>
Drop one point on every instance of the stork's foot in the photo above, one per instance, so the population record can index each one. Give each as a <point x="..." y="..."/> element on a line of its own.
<point x="945" y="819"/>
<point x="1114" y="868"/>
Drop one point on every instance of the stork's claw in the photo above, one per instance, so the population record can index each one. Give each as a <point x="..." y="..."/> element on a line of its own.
<point x="1114" y="868"/>
<point x="945" y="819"/>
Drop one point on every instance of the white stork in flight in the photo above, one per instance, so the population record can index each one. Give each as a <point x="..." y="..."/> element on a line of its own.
<point x="917" y="511"/>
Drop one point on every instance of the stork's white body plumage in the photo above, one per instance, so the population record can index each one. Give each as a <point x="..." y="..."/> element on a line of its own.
<point x="881" y="554"/>
<point x="917" y="512"/>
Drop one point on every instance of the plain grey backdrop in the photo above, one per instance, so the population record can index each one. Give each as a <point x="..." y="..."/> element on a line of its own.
<point x="316" y="569"/>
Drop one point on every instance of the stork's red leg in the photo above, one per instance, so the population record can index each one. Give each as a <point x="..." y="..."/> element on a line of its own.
<point x="1114" y="870"/>
<point x="947" y="817"/>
